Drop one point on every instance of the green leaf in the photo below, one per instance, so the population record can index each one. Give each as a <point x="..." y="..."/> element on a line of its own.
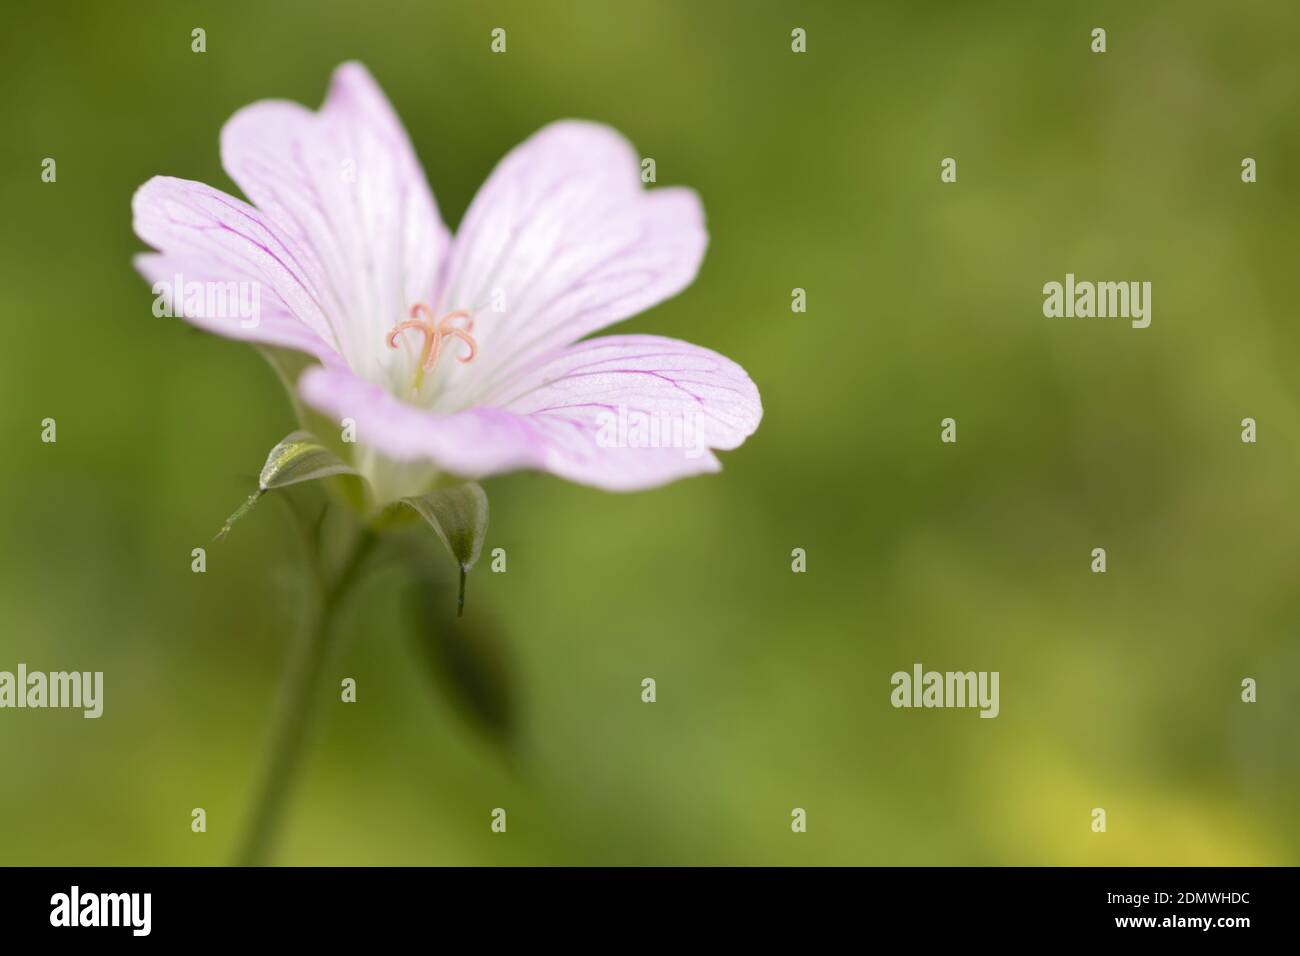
<point x="297" y="458"/>
<point x="459" y="516"/>
<point x="300" y="457"/>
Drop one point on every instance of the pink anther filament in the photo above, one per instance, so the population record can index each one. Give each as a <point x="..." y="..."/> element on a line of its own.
<point x="435" y="332"/>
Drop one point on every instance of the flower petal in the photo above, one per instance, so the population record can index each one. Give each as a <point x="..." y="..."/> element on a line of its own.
<point x="621" y="413"/>
<point x="562" y="240"/>
<point x="345" y="182"/>
<point x="208" y="237"/>
<point x="473" y="443"/>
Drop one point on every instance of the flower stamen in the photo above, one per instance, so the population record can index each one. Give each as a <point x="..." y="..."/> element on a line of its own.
<point x="435" y="333"/>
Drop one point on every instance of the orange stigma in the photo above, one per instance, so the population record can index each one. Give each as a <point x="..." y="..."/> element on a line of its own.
<point x="435" y="333"/>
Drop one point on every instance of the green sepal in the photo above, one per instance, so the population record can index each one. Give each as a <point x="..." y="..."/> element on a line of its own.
<point x="297" y="458"/>
<point x="458" y="514"/>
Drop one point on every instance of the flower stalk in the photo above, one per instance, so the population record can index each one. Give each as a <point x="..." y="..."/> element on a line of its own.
<point x="299" y="696"/>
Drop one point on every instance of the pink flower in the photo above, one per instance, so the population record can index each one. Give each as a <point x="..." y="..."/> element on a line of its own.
<point x="462" y="355"/>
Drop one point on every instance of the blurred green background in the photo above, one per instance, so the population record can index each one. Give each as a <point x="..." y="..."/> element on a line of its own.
<point x="818" y="171"/>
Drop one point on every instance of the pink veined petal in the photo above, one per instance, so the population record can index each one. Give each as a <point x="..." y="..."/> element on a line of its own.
<point x="472" y="443"/>
<point x="345" y="183"/>
<point x="207" y="236"/>
<point x="589" y="413"/>
<point x="273" y="323"/>
<point x="563" y="240"/>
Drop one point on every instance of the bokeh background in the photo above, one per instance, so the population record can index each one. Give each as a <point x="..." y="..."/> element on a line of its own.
<point x="818" y="171"/>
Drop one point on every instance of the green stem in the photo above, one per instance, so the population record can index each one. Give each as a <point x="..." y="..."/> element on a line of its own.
<point x="301" y="683"/>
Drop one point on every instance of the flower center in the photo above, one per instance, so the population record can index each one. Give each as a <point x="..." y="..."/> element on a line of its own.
<point x="435" y="333"/>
